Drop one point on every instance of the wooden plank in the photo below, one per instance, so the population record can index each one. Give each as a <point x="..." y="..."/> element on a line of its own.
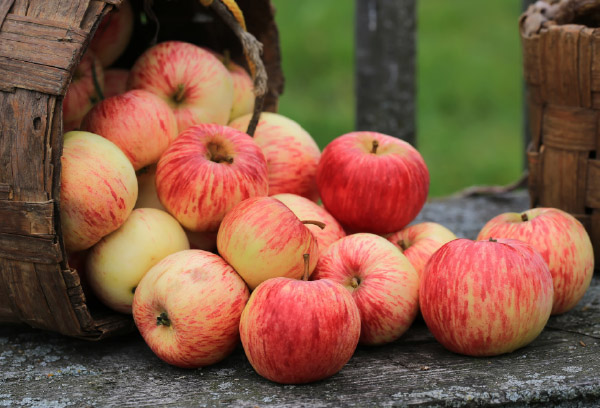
<point x="58" y="300"/>
<point x="26" y="297"/>
<point x="30" y="76"/>
<point x="30" y="249"/>
<point x="4" y="9"/>
<point x="23" y="143"/>
<point x="5" y="192"/>
<point x="569" y="128"/>
<point x="559" y="59"/>
<point x="585" y="64"/>
<point x="26" y="27"/>
<point x="37" y="50"/>
<point x="592" y="196"/>
<point x="25" y="218"/>
<point x="564" y="176"/>
<point x="595" y="67"/>
<point x="385" y="67"/>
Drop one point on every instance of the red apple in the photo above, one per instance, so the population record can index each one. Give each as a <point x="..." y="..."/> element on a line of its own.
<point x="113" y="34"/>
<point x="292" y="154"/>
<point x="82" y="93"/>
<point x="139" y="122"/>
<point x="188" y="307"/>
<point x="563" y="243"/>
<point x="98" y="189"/>
<point x="383" y="283"/>
<point x="262" y="239"/>
<point x="419" y="241"/>
<point x="294" y="331"/>
<point x="115" y="82"/>
<point x="206" y="171"/>
<point x="306" y="209"/>
<point x="190" y="79"/>
<point x="371" y="182"/>
<point x="485" y="298"/>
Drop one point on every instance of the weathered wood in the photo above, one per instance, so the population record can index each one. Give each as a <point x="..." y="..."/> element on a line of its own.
<point x="27" y="218"/>
<point x="30" y="248"/>
<point x="561" y="44"/>
<point x="385" y="67"/>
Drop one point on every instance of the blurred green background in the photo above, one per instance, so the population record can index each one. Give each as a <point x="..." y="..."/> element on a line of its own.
<point x="469" y="86"/>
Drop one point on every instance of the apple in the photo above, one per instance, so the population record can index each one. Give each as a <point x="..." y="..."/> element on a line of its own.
<point x="243" y="86"/>
<point x="194" y="83"/>
<point x="243" y="91"/>
<point x="115" y="81"/>
<point x="292" y="154"/>
<point x="296" y="331"/>
<point x="207" y="170"/>
<point x="419" y="241"/>
<point x="82" y="93"/>
<point x="117" y="263"/>
<point x="383" y="283"/>
<point x="262" y="239"/>
<point x="98" y="189"/>
<point x="485" y="298"/>
<point x="306" y="209"/>
<point x="139" y="122"/>
<point x="560" y="239"/>
<point x="188" y="308"/>
<point x="371" y="182"/>
<point x="113" y="34"/>
<point x="148" y="198"/>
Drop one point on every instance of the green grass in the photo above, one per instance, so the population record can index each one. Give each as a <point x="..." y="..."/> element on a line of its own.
<point x="469" y="101"/>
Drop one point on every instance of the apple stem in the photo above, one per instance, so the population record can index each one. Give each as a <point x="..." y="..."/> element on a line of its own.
<point x="163" y="319"/>
<point x="375" y="146"/>
<point x="524" y="217"/>
<point x="226" y="58"/>
<point x="402" y="244"/>
<point x="319" y="224"/>
<point x="179" y="94"/>
<point x="493" y="240"/>
<point x="306" y="273"/>
<point x="220" y="159"/>
<point x="355" y="282"/>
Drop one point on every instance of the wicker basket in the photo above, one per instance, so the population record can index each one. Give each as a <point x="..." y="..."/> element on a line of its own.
<point x="41" y="42"/>
<point x="561" y="60"/>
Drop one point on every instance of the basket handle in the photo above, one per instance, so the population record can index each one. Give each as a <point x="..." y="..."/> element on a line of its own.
<point x="230" y="12"/>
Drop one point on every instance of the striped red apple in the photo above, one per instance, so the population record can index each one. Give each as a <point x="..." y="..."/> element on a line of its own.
<point x="371" y="182"/>
<point x="98" y="189"/>
<point x="561" y="240"/>
<point x="383" y="283"/>
<point x="291" y="152"/>
<point x="306" y="209"/>
<point x="188" y="308"/>
<point x="206" y="171"/>
<point x="139" y="122"/>
<point x="113" y="34"/>
<point x="263" y="239"/>
<point x="297" y="331"/>
<point x="419" y="241"/>
<point x="193" y="82"/>
<point x="485" y="298"/>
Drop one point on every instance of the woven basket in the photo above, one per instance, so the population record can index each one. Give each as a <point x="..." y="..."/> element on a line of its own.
<point x="41" y="43"/>
<point x="561" y="60"/>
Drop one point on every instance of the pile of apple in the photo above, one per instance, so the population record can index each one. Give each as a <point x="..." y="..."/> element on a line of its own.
<point x="299" y="283"/>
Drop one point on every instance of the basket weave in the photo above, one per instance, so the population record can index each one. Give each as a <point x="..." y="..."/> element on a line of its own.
<point x="41" y="43"/>
<point x="561" y="61"/>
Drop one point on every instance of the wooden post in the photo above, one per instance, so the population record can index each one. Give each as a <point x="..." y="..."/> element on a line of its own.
<point x="385" y="67"/>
